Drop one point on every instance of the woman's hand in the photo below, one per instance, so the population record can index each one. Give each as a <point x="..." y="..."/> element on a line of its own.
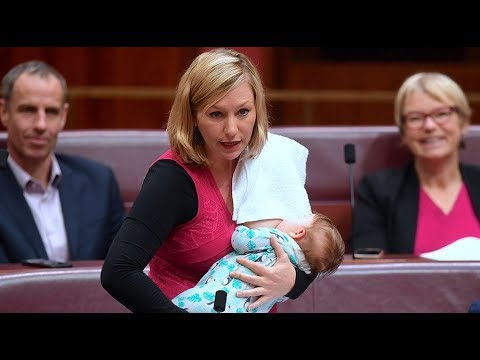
<point x="269" y="282"/>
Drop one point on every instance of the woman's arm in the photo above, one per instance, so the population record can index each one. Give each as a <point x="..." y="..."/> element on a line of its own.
<point x="167" y="198"/>
<point x="273" y="282"/>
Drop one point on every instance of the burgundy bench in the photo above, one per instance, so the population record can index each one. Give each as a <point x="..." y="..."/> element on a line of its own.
<point x="63" y="290"/>
<point x="130" y="153"/>
<point x="392" y="285"/>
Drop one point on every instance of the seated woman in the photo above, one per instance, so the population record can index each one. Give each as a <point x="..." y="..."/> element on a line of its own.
<point x="435" y="199"/>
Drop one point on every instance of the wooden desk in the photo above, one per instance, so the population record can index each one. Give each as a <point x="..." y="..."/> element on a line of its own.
<point x="393" y="284"/>
<point x="20" y="268"/>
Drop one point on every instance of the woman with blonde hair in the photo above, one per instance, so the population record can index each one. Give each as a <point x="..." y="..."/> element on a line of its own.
<point x="435" y="199"/>
<point x="181" y="222"/>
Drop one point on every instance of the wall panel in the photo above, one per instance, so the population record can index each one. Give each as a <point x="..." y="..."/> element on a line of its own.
<point x="338" y="92"/>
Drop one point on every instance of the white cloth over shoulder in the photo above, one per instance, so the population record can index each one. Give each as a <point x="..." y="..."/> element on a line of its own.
<point x="464" y="249"/>
<point x="272" y="184"/>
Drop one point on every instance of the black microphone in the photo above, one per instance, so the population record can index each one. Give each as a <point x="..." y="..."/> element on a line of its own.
<point x="220" y="301"/>
<point x="349" y="154"/>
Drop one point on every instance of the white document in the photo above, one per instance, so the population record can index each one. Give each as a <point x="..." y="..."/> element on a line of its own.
<point x="464" y="249"/>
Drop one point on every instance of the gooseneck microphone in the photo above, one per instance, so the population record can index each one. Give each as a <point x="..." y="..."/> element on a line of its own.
<point x="220" y="301"/>
<point x="349" y="154"/>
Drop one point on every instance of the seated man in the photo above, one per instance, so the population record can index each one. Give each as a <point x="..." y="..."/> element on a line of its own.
<point x="53" y="206"/>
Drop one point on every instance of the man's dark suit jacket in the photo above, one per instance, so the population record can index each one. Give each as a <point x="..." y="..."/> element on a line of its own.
<point x="386" y="209"/>
<point x="92" y="208"/>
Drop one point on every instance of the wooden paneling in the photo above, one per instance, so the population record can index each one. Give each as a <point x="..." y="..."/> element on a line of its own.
<point x="304" y="70"/>
<point x="282" y="69"/>
<point x="111" y="66"/>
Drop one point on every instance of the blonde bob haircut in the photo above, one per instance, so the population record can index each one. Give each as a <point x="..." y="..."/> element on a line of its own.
<point x="210" y="77"/>
<point x="438" y="86"/>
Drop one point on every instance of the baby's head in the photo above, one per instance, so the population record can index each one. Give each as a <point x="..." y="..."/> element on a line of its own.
<point x="321" y="243"/>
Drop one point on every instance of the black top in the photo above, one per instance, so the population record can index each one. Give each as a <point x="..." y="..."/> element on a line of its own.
<point x="167" y="199"/>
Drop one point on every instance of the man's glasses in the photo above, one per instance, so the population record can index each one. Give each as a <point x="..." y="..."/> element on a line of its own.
<point x="415" y="120"/>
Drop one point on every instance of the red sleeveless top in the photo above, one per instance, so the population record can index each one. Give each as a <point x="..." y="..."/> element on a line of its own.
<point x="193" y="247"/>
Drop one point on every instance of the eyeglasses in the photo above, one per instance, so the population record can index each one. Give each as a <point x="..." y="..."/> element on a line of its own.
<point x="415" y="120"/>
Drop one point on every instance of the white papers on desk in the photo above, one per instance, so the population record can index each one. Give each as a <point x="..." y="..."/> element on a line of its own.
<point x="464" y="249"/>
